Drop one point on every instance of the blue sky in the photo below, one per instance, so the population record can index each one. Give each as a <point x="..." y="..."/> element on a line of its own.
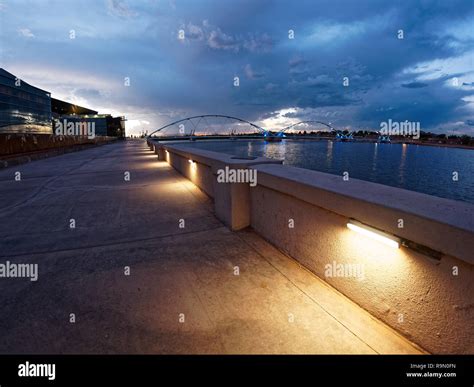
<point x="428" y="76"/>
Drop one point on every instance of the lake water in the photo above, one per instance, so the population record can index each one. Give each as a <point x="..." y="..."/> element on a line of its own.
<point x="425" y="169"/>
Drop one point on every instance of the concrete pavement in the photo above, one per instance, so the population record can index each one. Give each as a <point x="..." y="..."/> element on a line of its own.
<point x="193" y="286"/>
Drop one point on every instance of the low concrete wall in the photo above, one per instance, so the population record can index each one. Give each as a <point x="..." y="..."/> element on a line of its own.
<point x="37" y="147"/>
<point x="231" y="200"/>
<point x="430" y="301"/>
<point x="425" y="291"/>
<point x="12" y="144"/>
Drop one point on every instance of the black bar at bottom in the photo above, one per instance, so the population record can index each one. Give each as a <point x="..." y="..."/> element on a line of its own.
<point x="317" y="370"/>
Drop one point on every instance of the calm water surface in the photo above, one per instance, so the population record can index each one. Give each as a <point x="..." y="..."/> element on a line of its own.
<point x="424" y="169"/>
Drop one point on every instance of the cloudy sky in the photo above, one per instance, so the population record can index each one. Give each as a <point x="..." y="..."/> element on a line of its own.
<point x="83" y="51"/>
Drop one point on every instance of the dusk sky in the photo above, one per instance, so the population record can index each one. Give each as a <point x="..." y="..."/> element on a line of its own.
<point x="428" y="76"/>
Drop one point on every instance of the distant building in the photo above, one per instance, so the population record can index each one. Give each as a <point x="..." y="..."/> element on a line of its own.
<point x="104" y="124"/>
<point x="28" y="109"/>
<point x="23" y="108"/>
<point x="60" y="108"/>
<point x="116" y="126"/>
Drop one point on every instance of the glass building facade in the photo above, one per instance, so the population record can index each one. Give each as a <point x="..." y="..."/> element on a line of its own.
<point x="23" y="108"/>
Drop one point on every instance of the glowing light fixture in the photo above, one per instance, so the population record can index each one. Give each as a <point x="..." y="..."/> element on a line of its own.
<point x="375" y="234"/>
<point x="191" y="161"/>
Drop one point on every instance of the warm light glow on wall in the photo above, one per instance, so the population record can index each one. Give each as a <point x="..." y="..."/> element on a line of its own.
<point x="374" y="234"/>
<point x="192" y="171"/>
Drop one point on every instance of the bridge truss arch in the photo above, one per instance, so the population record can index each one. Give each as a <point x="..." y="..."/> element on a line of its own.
<point x="308" y="122"/>
<point x="195" y="121"/>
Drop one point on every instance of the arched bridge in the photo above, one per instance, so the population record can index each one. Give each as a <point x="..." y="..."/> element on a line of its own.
<point x="195" y="121"/>
<point x="199" y="119"/>
<point x="308" y="122"/>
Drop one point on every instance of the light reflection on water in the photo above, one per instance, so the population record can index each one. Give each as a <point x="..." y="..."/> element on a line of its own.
<point x="426" y="169"/>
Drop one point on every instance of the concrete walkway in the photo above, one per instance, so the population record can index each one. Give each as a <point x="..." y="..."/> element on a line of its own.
<point x="182" y="294"/>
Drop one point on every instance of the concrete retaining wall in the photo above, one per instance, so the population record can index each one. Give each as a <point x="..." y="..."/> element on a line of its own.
<point x="424" y="291"/>
<point x="37" y="147"/>
<point x="430" y="301"/>
<point x="231" y="201"/>
<point x="12" y="144"/>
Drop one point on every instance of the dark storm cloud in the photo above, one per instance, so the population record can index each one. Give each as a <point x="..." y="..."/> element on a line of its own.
<point x="409" y="78"/>
<point x="414" y="85"/>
